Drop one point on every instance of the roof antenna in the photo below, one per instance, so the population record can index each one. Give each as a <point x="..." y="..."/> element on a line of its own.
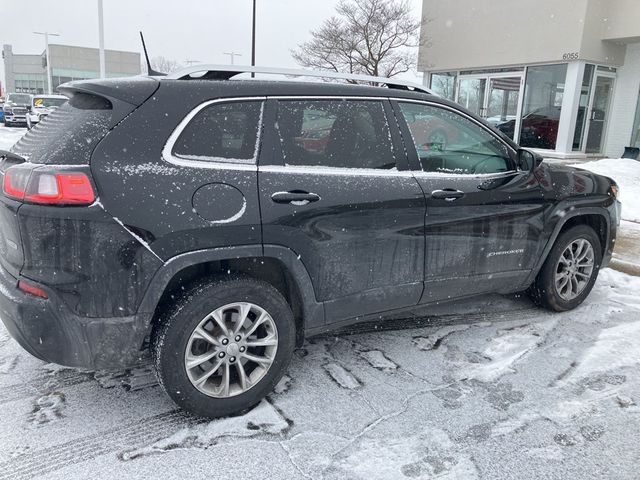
<point x="150" y="71"/>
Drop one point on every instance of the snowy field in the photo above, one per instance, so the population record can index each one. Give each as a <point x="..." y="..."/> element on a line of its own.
<point x="492" y="389"/>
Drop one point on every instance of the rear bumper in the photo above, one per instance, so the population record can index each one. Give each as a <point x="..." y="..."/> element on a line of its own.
<point x="49" y="331"/>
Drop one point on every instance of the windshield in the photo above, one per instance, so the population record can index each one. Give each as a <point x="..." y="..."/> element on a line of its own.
<point x="19" y="98"/>
<point x="44" y="102"/>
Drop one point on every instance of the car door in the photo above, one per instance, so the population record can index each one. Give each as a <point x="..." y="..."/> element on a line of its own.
<point x="484" y="216"/>
<point x="335" y="188"/>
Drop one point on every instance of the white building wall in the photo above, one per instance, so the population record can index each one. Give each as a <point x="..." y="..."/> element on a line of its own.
<point x="624" y="105"/>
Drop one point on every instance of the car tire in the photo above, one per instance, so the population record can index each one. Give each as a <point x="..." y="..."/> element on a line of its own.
<point x="566" y="279"/>
<point x="190" y="329"/>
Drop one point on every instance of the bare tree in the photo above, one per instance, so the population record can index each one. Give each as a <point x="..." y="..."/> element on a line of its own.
<point x="371" y="37"/>
<point x="165" y="65"/>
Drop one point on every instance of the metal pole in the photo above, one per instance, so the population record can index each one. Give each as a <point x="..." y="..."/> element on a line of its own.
<point x="48" y="57"/>
<point x="49" y="78"/>
<point x="253" y="39"/>
<point x="232" y="55"/>
<point x="103" y="68"/>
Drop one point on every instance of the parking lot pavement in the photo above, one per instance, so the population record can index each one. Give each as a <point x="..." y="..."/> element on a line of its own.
<point x="10" y="135"/>
<point x="493" y="388"/>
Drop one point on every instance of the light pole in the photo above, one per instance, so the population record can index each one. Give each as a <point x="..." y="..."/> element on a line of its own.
<point x="253" y="39"/>
<point x="46" y="44"/>
<point x="232" y="55"/>
<point x="103" y="66"/>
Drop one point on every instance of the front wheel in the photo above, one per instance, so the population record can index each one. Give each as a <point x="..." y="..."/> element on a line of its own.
<point x="570" y="270"/>
<point x="224" y="346"/>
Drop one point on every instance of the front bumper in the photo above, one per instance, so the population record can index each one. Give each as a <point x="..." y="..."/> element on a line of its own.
<point x="49" y="331"/>
<point x="10" y="118"/>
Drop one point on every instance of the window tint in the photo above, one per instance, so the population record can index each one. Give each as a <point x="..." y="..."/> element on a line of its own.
<point x="450" y="143"/>
<point x="69" y="134"/>
<point x="226" y="132"/>
<point x="335" y="133"/>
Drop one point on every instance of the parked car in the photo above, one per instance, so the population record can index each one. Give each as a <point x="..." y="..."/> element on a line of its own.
<point x="15" y="108"/>
<point x="539" y="128"/>
<point x="141" y="220"/>
<point x="41" y="106"/>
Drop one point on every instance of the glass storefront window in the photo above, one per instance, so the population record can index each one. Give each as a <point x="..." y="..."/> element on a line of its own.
<point x="543" y="91"/>
<point x="635" y="136"/>
<point x="585" y="96"/>
<point x="444" y="84"/>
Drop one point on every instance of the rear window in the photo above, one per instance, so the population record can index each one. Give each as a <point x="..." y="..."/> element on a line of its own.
<point x="69" y="134"/>
<point x="222" y="132"/>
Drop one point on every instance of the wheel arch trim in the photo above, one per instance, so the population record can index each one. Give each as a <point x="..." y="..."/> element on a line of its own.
<point x="312" y="310"/>
<point x="580" y="211"/>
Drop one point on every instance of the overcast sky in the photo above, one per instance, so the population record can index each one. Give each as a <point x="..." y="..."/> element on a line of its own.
<point x="180" y="30"/>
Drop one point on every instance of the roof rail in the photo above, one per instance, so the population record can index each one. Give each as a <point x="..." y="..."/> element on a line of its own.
<point x="226" y="72"/>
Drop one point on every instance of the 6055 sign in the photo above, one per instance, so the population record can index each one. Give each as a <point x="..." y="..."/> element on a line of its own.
<point x="571" y="56"/>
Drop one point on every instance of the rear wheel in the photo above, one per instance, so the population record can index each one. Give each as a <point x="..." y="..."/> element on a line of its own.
<point x="570" y="270"/>
<point x="224" y="346"/>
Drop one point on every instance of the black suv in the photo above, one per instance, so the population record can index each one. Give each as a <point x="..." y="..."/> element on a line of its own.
<point x="215" y="222"/>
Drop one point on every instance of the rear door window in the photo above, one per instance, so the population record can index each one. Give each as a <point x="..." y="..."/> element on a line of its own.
<point x="222" y="132"/>
<point x="335" y="133"/>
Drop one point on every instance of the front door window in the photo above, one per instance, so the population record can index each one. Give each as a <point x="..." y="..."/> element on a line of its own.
<point x="448" y="143"/>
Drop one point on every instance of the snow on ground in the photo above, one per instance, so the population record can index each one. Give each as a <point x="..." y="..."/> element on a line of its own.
<point x="9" y="136"/>
<point x="511" y="392"/>
<point x="626" y="173"/>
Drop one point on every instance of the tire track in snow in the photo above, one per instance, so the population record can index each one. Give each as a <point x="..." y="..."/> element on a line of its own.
<point x="40" y="385"/>
<point x="135" y="435"/>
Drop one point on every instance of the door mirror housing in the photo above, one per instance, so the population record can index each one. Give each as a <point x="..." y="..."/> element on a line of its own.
<point x="528" y="160"/>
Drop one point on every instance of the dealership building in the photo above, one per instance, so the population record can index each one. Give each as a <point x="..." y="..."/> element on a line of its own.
<point x="559" y="77"/>
<point x="28" y="73"/>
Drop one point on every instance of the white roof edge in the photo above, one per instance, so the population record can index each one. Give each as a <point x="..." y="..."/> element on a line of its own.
<point x="296" y="72"/>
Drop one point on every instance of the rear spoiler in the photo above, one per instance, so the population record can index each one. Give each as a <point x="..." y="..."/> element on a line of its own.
<point x="132" y="90"/>
<point x="124" y="94"/>
<point x="9" y="159"/>
<point x="7" y="155"/>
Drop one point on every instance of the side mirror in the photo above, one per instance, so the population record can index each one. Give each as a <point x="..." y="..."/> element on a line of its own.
<point x="528" y="160"/>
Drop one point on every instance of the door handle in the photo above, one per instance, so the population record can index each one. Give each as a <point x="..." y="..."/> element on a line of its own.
<point x="448" y="194"/>
<point x="295" y="197"/>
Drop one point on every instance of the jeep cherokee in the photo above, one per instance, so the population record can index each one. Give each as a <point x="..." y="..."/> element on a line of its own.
<point x="191" y="217"/>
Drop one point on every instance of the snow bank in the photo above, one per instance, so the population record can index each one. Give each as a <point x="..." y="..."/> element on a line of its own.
<point x="626" y="173"/>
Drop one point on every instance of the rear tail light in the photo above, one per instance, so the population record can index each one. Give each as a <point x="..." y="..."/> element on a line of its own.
<point x="46" y="186"/>
<point x="32" y="289"/>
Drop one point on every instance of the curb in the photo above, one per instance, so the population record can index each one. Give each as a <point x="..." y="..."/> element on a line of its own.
<point x="625" y="267"/>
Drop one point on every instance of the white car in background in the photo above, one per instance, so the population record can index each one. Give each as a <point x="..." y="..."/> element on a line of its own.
<point x="41" y="106"/>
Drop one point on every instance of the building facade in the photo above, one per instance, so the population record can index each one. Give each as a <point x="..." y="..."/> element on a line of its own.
<point x="559" y="77"/>
<point x="28" y="73"/>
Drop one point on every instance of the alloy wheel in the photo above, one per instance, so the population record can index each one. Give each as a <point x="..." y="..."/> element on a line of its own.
<point x="231" y="350"/>
<point x="574" y="269"/>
